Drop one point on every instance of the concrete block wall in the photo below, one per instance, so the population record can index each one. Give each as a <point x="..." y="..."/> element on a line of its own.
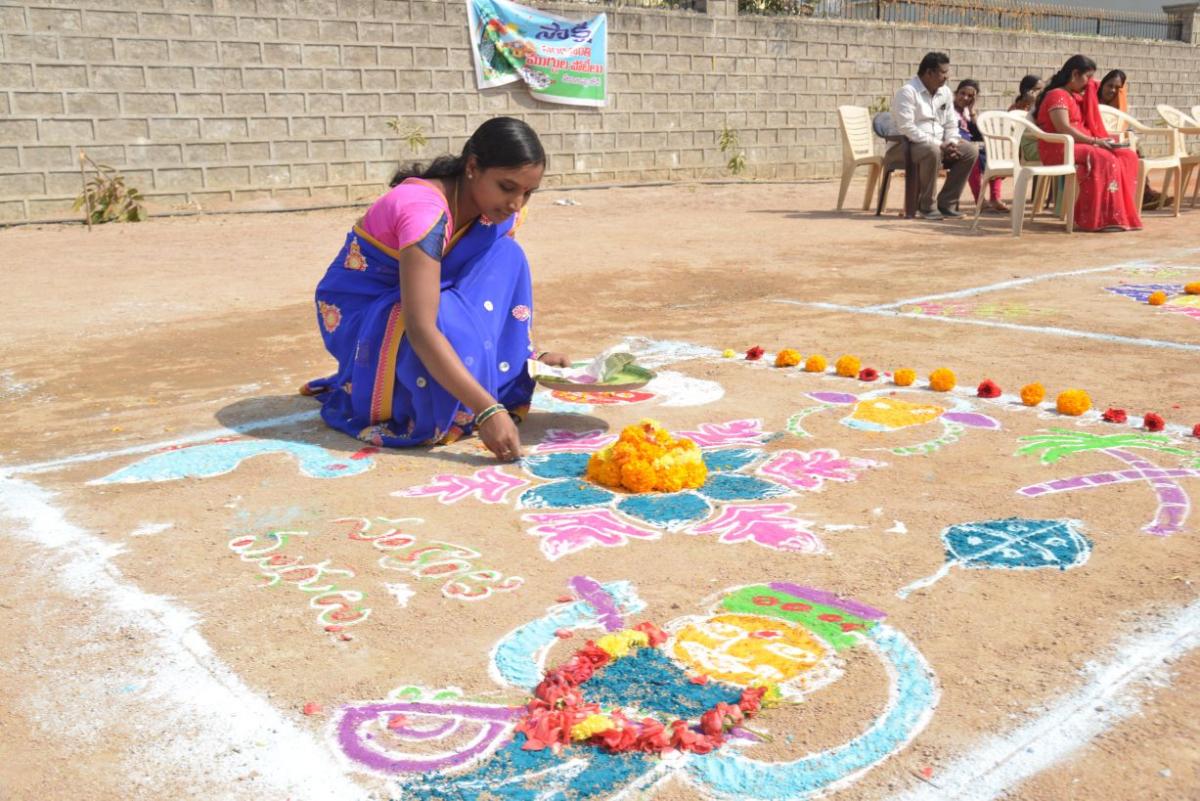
<point x="212" y="103"/>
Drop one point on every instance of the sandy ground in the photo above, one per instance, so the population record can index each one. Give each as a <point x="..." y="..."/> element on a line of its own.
<point x="145" y="659"/>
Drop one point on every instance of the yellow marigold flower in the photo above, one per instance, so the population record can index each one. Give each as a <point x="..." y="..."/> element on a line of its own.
<point x="591" y="726"/>
<point x="904" y="377"/>
<point x="1033" y="394"/>
<point x="816" y="364"/>
<point x="942" y="380"/>
<point x="1193" y="288"/>
<point x="1073" y="402"/>
<point x="728" y="353"/>
<point x="619" y="643"/>
<point x="787" y="358"/>
<point x="1157" y="298"/>
<point x="848" y="366"/>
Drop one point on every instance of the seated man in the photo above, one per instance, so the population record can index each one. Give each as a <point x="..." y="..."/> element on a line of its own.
<point x="923" y="110"/>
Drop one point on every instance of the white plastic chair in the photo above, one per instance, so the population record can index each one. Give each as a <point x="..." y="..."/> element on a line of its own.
<point x="1164" y="142"/>
<point x="858" y="149"/>
<point x="1184" y="126"/>
<point x="1196" y="112"/>
<point x="1002" y="132"/>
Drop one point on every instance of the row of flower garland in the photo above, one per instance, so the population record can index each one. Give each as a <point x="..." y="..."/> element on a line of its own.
<point x="1071" y="402"/>
<point x="1159" y="298"/>
<point x="559" y="714"/>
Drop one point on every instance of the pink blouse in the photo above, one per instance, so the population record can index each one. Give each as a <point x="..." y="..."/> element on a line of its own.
<point x="411" y="213"/>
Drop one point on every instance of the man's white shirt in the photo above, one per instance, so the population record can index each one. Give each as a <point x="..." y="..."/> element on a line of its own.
<point x="923" y="117"/>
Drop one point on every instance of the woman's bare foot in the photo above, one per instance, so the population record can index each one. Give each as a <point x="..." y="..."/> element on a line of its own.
<point x="998" y="206"/>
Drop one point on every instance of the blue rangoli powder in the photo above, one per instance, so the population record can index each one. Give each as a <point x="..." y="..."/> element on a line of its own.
<point x="649" y="681"/>
<point x="508" y="775"/>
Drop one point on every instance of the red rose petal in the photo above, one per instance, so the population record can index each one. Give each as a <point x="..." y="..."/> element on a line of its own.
<point x="564" y="599"/>
<point x="1114" y="416"/>
<point x="312" y="708"/>
<point x="397" y="722"/>
<point x="1153" y="422"/>
<point x="564" y="634"/>
<point x="988" y="389"/>
<point x="1196" y="430"/>
<point x="754" y="354"/>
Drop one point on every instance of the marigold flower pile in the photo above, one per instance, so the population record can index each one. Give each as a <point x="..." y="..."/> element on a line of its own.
<point x="647" y="459"/>
<point x="558" y="714"/>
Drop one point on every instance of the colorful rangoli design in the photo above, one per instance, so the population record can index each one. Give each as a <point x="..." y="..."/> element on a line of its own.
<point x="574" y="514"/>
<point x="780" y="635"/>
<point x="882" y="412"/>
<point x="1178" y="301"/>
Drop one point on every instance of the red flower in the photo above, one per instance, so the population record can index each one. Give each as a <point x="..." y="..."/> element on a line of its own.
<point x="594" y="654"/>
<point x="657" y="636"/>
<point x="1114" y="416"/>
<point x="751" y="700"/>
<point x="868" y="374"/>
<point x="1196" y="430"/>
<point x="711" y="722"/>
<point x="1153" y="422"/>
<point x="988" y="389"/>
<point x="731" y="715"/>
<point x="654" y="737"/>
<point x="618" y="739"/>
<point x="578" y="670"/>
<point x="754" y="354"/>
<point x="685" y="739"/>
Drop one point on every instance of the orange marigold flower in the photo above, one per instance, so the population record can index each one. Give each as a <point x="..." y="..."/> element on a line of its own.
<point x="787" y="358"/>
<point x="942" y="380"/>
<point x="848" y="366"/>
<point x="1193" y="288"/>
<point x="1033" y="394"/>
<point x="1157" y="298"/>
<point x="646" y="458"/>
<point x="1073" y="402"/>
<point x="904" y="377"/>
<point x="816" y="364"/>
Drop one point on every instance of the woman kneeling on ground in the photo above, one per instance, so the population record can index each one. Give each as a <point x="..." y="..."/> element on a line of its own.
<point x="428" y="306"/>
<point x="1107" y="174"/>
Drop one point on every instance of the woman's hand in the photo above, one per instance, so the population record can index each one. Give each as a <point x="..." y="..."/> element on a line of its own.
<point x="554" y="359"/>
<point x="499" y="434"/>
<point x="1105" y="144"/>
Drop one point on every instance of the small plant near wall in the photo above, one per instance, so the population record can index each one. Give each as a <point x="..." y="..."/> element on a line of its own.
<point x="412" y="134"/>
<point x="731" y="150"/>
<point x="105" y="195"/>
<point x="880" y="104"/>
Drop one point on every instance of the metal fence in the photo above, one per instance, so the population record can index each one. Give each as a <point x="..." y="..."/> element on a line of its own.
<point x="1004" y="15"/>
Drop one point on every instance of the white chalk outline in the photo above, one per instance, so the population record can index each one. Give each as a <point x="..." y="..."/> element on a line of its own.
<point x="1050" y="330"/>
<point x="1001" y="763"/>
<point x="1033" y="279"/>
<point x="186" y="678"/>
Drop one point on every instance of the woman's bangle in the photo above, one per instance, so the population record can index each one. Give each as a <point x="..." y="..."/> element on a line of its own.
<point x="490" y="411"/>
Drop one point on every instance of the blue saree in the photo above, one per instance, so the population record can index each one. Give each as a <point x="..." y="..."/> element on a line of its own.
<point x="381" y="393"/>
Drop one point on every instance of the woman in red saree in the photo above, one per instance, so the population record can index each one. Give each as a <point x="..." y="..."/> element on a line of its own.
<point x="1107" y="173"/>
